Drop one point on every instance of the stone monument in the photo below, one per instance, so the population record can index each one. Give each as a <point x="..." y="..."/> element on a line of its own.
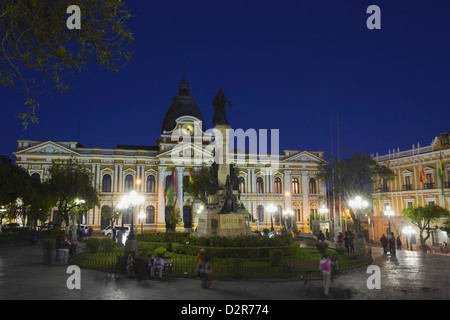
<point x="224" y="215"/>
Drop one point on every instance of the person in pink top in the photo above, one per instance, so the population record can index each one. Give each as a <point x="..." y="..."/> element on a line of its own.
<point x="325" y="266"/>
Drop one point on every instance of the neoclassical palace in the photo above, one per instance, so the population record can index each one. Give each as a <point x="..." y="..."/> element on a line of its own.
<point x="417" y="183"/>
<point x="290" y="187"/>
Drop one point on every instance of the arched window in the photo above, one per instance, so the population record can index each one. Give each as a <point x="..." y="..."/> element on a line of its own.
<point x="106" y="183"/>
<point x="151" y="184"/>
<point x="241" y="185"/>
<point x="260" y="212"/>
<point x="129" y="183"/>
<point x="277" y="185"/>
<point x="295" y="186"/>
<point x="312" y="186"/>
<point x="150" y="218"/>
<point x="259" y="185"/>
<point x="36" y="175"/>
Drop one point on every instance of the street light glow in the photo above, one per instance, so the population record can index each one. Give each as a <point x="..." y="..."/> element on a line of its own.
<point x="358" y="203"/>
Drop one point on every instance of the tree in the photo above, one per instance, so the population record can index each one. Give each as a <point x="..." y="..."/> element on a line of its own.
<point x="197" y="188"/>
<point x="423" y="217"/>
<point x="113" y="215"/>
<point x="70" y="183"/>
<point x="358" y="175"/>
<point x="39" y="50"/>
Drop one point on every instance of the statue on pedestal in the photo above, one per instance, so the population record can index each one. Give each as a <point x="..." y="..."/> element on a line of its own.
<point x="220" y="115"/>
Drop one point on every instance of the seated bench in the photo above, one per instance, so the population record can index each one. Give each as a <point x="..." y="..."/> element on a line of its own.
<point x="305" y="270"/>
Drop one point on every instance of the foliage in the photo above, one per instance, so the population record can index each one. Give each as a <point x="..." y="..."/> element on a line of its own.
<point x="340" y="250"/>
<point x="359" y="175"/>
<point x="253" y="253"/>
<point x="159" y="252"/>
<point x="276" y="256"/>
<point x="322" y="247"/>
<point x="197" y="188"/>
<point x="69" y="181"/>
<point x="93" y="244"/>
<point x="423" y="217"/>
<point x="39" y="51"/>
<point x="107" y="244"/>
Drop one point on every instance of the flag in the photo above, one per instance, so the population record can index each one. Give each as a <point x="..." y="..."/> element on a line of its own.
<point x="422" y="175"/>
<point x="190" y="176"/>
<point x="441" y="173"/>
<point x="171" y="188"/>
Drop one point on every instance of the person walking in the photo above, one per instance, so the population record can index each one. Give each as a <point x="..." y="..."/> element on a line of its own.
<point x="325" y="266"/>
<point x="399" y="244"/>
<point x="206" y="280"/>
<point x="200" y="264"/>
<point x="340" y="239"/>
<point x="351" y="241"/>
<point x="130" y="264"/>
<point x="392" y="244"/>
<point x="384" y="243"/>
<point x="347" y="241"/>
<point x="321" y="236"/>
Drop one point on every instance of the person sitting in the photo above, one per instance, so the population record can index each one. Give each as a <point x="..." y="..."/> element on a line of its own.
<point x="158" y="264"/>
<point x="130" y="264"/>
<point x="149" y="266"/>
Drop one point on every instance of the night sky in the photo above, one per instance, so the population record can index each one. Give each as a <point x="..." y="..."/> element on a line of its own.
<point x="288" y="65"/>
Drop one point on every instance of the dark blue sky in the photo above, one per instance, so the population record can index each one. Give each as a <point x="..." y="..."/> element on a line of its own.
<point x="288" y="65"/>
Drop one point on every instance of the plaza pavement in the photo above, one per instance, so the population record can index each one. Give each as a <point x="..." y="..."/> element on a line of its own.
<point x="408" y="276"/>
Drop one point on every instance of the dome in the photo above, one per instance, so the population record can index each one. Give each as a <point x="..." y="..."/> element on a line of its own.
<point x="183" y="104"/>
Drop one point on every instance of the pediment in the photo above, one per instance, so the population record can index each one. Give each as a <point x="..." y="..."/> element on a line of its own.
<point x="303" y="156"/>
<point x="186" y="153"/>
<point x="48" y="148"/>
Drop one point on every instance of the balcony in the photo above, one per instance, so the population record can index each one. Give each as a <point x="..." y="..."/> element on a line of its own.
<point x="407" y="187"/>
<point x="428" y="185"/>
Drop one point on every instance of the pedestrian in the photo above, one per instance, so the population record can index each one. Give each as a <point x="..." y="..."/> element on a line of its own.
<point x="399" y="244"/>
<point x="149" y="266"/>
<point x="392" y="244"/>
<point x="351" y="241"/>
<point x="327" y="234"/>
<point x="158" y="264"/>
<point x="347" y="241"/>
<point x="130" y="264"/>
<point x="321" y="236"/>
<point x="325" y="266"/>
<point x="200" y="264"/>
<point x="206" y="280"/>
<point x="340" y="239"/>
<point x="384" y="243"/>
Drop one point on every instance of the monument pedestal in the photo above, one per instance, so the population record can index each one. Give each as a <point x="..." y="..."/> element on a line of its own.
<point x="226" y="225"/>
<point x="360" y="247"/>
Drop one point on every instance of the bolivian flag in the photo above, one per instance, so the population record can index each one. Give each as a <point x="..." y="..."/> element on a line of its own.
<point x="422" y="175"/>
<point x="171" y="188"/>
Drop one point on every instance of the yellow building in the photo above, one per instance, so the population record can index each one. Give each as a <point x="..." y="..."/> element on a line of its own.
<point x="409" y="190"/>
<point x="291" y="185"/>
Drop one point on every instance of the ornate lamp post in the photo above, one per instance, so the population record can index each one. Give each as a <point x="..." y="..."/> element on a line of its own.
<point x="130" y="201"/>
<point x="358" y="204"/>
<point x="271" y="209"/>
<point x="388" y="212"/>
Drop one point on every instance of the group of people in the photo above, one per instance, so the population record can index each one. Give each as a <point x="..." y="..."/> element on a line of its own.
<point x="390" y="243"/>
<point x="347" y="240"/>
<point x="204" y="269"/>
<point x="152" y="266"/>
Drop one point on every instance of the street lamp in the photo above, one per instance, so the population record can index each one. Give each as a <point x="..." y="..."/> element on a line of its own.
<point x="131" y="200"/>
<point x="409" y="231"/>
<point x="142" y="216"/>
<point x="388" y="212"/>
<point x="271" y="209"/>
<point x="323" y="210"/>
<point x="358" y="204"/>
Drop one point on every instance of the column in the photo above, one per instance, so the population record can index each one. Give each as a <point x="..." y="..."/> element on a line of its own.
<point x="120" y="178"/>
<point x="116" y="177"/>
<point x="144" y="182"/>
<point x="98" y="177"/>
<point x="93" y="175"/>
<point x="305" y="194"/>
<point x="180" y="189"/>
<point x="287" y="190"/>
<point x="160" y="220"/>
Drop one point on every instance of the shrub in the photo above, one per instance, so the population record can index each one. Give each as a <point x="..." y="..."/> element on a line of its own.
<point x="322" y="247"/>
<point x="93" y="244"/>
<point x="107" y="244"/>
<point x="340" y="250"/>
<point x="253" y="253"/>
<point x="276" y="256"/>
<point x="159" y="252"/>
